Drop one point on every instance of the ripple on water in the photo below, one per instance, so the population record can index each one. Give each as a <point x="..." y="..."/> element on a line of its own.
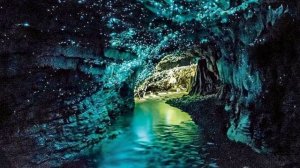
<point x="156" y="135"/>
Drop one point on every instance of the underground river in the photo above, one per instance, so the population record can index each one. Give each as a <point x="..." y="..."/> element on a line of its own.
<point x="154" y="135"/>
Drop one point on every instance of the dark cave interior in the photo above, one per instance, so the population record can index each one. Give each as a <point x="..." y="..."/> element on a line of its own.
<point x="71" y="71"/>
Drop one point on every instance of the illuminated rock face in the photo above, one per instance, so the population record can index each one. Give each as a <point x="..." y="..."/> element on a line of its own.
<point x="59" y="103"/>
<point x="174" y="73"/>
<point x="256" y="117"/>
<point x="59" y="87"/>
<point x="69" y="65"/>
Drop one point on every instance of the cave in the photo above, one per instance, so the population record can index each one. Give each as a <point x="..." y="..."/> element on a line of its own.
<point x="150" y="83"/>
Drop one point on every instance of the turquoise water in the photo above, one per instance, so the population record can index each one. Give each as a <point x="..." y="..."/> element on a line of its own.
<point x="154" y="135"/>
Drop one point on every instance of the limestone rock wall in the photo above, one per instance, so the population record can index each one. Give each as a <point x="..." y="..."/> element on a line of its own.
<point x="59" y="90"/>
<point x="55" y="106"/>
<point x="258" y="64"/>
<point x="174" y="73"/>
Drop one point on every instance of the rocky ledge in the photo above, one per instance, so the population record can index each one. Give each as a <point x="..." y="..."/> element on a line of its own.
<point x="208" y="112"/>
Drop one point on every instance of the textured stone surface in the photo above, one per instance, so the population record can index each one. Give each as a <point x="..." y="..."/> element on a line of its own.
<point x="256" y="61"/>
<point x="58" y="108"/>
<point x="59" y="91"/>
<point x="174" y="73"/>
<point x="208" y="109"/>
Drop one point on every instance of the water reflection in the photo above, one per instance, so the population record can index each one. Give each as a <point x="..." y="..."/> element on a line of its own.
<point x="155" y="135"/>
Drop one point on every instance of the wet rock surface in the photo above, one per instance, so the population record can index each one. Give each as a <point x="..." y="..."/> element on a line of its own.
<point x="208" y="112"/>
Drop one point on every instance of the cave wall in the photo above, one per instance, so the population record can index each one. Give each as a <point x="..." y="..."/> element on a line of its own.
<point x="206" y="80"/>
<point x="258" y="67"/>
<point x="255" y="103"/>
<point x="55" y="106"/>
<point x="276" y="113"/>
<point x="60" y="89"/>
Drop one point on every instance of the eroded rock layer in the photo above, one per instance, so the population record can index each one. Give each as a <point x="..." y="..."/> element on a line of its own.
<point x="57" y="105"/>
<point x="174" y="73"/>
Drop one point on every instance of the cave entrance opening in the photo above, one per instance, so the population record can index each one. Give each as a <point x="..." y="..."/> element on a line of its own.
<point x="173" y="74"/>
<point x="193" y="71"/>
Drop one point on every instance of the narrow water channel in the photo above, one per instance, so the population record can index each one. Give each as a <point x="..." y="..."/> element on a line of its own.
<point x="154" y="135"/>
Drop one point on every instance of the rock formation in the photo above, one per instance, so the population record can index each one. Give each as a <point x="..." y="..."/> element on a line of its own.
<point x="174" y="73"/>
<point x="69" y="67"/>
